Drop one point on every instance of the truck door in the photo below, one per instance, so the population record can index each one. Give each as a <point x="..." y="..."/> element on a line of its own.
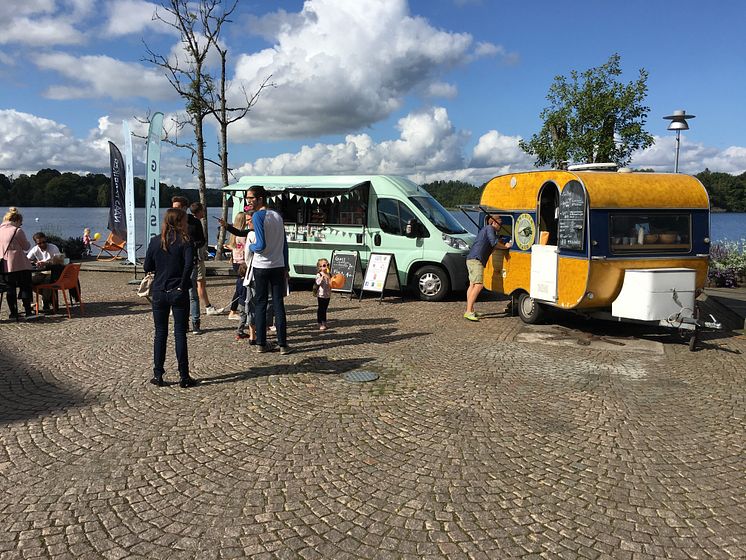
<point x="391" y="235"/>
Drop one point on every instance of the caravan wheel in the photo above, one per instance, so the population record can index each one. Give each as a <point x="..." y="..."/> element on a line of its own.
<point x="529" y="310"/>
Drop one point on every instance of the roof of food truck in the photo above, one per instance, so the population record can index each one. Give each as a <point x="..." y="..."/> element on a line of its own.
<point x="519" y="191"/>
<point x="321" y="182"/>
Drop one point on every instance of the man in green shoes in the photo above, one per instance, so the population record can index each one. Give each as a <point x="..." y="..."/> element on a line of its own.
<point x="483" y="246"/>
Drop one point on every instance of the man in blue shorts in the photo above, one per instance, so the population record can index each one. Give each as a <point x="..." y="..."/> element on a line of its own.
<point x="476" y="260"/>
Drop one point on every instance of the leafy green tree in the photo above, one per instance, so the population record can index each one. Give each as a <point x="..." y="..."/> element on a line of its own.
<point x="592" y="117"/>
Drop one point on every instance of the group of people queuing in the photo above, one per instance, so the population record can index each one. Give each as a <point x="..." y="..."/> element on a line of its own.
<point x="260" y="260"/>
<point x="25" y="265"/>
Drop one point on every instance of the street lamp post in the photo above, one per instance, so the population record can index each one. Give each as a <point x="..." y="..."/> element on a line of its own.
<point x="678" y="123"/>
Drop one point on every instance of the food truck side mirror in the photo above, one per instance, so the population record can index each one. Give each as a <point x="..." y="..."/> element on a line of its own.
<point x="414" y="228"/>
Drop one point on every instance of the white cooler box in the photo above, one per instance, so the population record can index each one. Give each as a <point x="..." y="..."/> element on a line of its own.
<point x="656" y="294"/>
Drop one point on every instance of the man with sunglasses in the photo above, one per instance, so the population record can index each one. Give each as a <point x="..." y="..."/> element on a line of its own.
<point x="45" y="255"/>
<point x="486" y="241"/>
<point x="270" y="266"/>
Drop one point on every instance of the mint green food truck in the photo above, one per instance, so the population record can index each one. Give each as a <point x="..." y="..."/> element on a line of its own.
<point x="367" y="214"/>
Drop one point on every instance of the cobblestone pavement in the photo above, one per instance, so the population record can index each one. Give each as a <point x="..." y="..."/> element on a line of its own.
<point x="479" y="440"/>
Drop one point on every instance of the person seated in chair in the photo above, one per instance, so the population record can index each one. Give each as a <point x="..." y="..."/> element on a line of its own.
<point x="45" y="256"/>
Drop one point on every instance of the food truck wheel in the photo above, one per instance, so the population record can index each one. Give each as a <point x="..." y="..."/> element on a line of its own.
<point x="529" y="310"/>
<point x="432" y="283"/>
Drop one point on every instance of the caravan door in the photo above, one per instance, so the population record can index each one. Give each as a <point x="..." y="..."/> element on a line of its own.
<point x="544" y="260"/>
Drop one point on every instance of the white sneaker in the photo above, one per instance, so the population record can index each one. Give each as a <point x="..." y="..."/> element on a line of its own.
<point x="210" y="310"/>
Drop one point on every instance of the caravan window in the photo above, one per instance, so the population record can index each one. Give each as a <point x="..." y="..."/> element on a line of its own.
<point x="393" y="216"/>
<point x="650" y="233"/>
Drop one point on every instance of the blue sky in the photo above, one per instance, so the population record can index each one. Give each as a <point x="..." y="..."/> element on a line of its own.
<point x="438" y="89"/>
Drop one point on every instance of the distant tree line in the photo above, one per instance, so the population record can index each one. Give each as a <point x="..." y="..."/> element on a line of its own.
<point x="50" y="188"/>
<point x="453" y="193"/>
<point x="727" y="192"/>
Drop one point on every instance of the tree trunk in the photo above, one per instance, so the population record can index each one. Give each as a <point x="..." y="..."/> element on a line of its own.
<point x="223" y="157"/>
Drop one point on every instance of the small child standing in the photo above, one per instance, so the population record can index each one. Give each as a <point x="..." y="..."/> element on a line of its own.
<point x="323" y="291"/>
<point x="87" y="241"/>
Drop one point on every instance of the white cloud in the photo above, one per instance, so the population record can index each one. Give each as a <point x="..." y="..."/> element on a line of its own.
<point x="428" y="142"/>
<point x="693" y="157"/>
<point x="29" y="143"/>
<point x="102" y="76"/>
<point x="498" y="150"/>
<point x="39" y="32"/>
<point x="442" y="89"/>
<point x="134" y="17"/>
<point x="43" y="23"/>
<point x="329" y="81"/>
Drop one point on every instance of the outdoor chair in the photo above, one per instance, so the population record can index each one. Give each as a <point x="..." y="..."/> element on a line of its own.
<point x="111" y="249"/>
<point x="68" y="280"/>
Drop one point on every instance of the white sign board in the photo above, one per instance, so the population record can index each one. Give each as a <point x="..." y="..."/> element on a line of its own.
<point x="381" y="274"/>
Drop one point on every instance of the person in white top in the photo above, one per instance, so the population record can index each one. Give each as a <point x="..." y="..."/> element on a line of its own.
<point x="269" y="266"/>
<point x="44" y="254"/>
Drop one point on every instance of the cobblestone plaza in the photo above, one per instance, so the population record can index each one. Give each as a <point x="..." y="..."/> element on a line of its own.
<point x="478" y="440"/>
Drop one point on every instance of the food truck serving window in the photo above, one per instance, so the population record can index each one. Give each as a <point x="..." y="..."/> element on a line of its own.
<point x="325" y="206"/>
<point x="650" y="233"/>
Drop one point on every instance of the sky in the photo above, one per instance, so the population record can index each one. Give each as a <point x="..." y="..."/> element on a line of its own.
<point x="428" y="89"/>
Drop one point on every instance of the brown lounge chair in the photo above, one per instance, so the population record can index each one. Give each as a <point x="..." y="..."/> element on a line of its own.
<point x="112" y="247"/>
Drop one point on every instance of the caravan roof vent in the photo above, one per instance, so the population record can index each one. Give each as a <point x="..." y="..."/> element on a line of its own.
<point x="593" y="167"/>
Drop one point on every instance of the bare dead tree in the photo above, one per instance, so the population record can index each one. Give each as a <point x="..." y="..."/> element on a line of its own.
<point x="225" y="116"/>
<point x="198" y="31"/>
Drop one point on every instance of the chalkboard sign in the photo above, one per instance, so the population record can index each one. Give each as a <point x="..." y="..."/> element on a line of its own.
<point x="347" y="263"/>
<point x="571" y="234"/>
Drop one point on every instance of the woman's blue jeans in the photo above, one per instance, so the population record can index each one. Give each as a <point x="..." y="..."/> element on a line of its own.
<point x="163" y="303"/>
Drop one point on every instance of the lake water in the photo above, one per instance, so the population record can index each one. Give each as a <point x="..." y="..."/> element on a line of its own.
<point x="70" y="222"/>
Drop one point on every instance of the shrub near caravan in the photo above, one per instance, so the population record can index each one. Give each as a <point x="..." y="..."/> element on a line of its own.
<point x="368" y="214"/>
<point x="616" y="245"/>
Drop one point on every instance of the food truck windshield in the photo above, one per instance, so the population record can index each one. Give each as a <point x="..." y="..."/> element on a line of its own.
<point x="439" y="216"/>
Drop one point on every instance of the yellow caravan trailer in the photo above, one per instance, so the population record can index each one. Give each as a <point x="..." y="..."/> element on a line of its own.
<point x="613" y="244"/>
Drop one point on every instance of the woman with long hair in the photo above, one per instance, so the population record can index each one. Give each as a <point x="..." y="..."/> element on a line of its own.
<point x="13" y="247"/>
<point x="236" y="245"/>
<point x="171" y="257"/>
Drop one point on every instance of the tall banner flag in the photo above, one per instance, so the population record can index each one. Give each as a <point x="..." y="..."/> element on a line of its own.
<point x="129" y="194"/>
<point x="153" y="181"/>
<point x="117" y="223"/>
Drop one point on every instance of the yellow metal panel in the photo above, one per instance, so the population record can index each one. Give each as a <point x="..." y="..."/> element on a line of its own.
<point x="519" y="191"/>
<point x="572" y="280"/>
<point x="521" y="194"/>
<point x="606" y="277"/>
<point x="507" y="271"/>
<point x="643" y="190"/>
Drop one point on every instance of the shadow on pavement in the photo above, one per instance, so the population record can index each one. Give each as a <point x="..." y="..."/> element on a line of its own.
<point x="25" y="392"/>
<point x="308" y="365"/>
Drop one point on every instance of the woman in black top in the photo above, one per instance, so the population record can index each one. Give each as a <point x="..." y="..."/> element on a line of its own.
<point x="171" y="256"/>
